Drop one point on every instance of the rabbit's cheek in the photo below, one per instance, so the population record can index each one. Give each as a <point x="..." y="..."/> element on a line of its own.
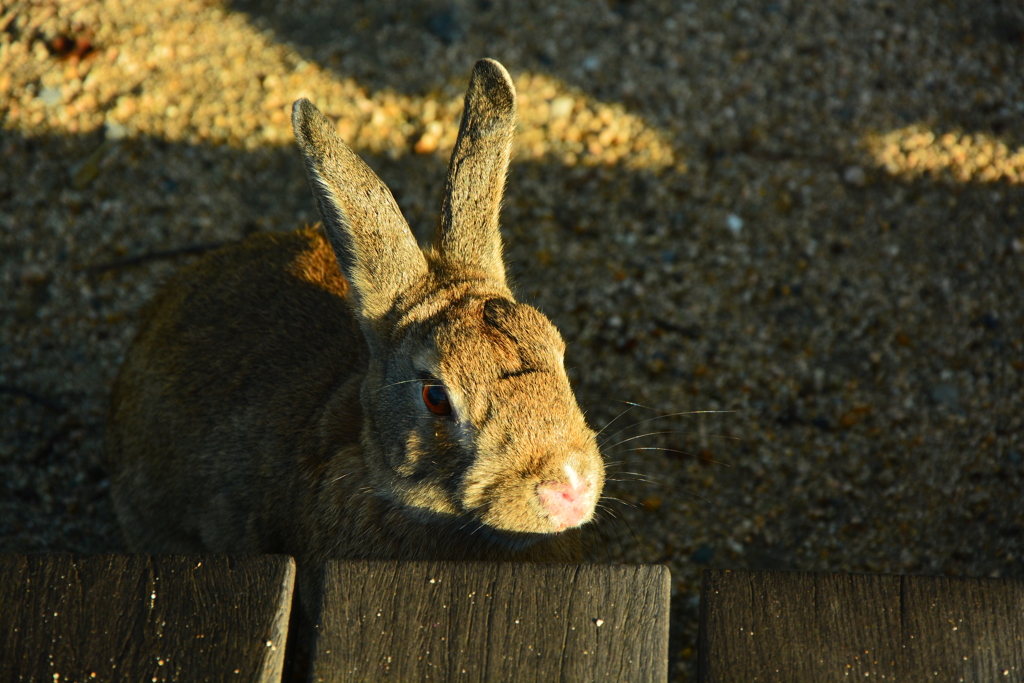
<point x="423" y="485"/>
<point x="407" y="462"/>
<point x="428" y="500"/>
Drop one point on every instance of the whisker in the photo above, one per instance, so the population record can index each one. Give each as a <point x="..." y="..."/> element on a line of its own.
<point x="325" y="484"/>
<point x="629" y="528"/>
<point x="395" y="384"/>
<point x="596" y="528"/>
<point x="665" y="416"/>
<point x="626" y="481"/>
<point x="640" y="436"/>
<point x="670" y="431"/>
<point x="613" y="420"/>
<point x="637" y="405"/>
<point x="619" y="500"/>
<point x="673" y="450"/>
<point x="664" y="485"/>
<point x="695" y="495"/>
<point x="637" y="476"/>
<point x="689" y="412"/>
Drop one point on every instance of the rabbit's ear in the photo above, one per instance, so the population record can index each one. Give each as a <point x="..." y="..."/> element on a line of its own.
<point x="374" y="245"/>
<point x="467" y="239"/>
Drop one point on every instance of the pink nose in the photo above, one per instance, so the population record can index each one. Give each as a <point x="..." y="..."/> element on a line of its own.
<point x="567" y="504"/>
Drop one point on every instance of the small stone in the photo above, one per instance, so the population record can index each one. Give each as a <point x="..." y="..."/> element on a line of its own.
<point x="425" y="145"/>
<point x="854" y="175"/>
<point x="734" y="223"/>
<point x="50" y="96"/>
<point x="115" y="131"/>
<point x="561" y="107"/>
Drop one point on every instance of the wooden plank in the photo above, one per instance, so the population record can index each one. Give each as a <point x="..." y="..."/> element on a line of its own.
<point x="139" y="617"/>
<point x="962" y="629"/>
<point x="782" y="626"/>
<point x="476" y="621"/>
<point x="794" y="626"/>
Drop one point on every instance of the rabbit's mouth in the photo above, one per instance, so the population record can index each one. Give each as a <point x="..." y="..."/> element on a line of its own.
<point x="473" y="528"/>
<point x="521" y="511"/>
<point x="568" y="501"/>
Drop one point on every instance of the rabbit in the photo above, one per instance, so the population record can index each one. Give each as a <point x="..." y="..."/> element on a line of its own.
<point x="339" y="392"/>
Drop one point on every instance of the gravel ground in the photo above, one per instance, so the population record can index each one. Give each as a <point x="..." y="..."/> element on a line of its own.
<point x="806" y="215"/>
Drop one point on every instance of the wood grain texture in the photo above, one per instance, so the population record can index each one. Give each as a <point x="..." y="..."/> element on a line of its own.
<point x="144" y="618"/>
<point x="963" y="629"/>
<point x="476" y="621"/>
<point x="795" y="626"/>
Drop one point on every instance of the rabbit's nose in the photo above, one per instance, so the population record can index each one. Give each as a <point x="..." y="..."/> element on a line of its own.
<point x="569" y="502"/>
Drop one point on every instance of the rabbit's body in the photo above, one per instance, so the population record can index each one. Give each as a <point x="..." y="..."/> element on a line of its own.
<point x="293" y="480"/>
<point x="342" y="394"/>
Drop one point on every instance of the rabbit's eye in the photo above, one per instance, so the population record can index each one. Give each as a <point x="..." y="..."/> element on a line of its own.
<point x="436" y="399"/>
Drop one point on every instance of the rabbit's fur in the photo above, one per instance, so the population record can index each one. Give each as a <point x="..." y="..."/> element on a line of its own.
<point x="273" y="402"/>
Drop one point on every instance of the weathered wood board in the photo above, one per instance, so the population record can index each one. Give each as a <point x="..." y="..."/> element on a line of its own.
<point x="144" y="618"/>
<point x="476" y="621"/>
<point x="962" y="629"/>
<point x="795" y="626"/>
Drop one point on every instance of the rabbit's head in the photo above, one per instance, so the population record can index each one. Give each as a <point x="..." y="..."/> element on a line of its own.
<point x="467" y="411"/>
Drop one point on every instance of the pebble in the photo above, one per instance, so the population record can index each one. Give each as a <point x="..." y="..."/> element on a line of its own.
<point x="561" y="107"/>
<point x="855" y="175"/>
<point x="115" y="131"/>
<point x="50" y="96"/>
<point x="734" y="223"/>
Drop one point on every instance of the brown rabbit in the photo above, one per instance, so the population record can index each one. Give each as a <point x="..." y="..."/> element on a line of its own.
<point x="403" y="406"/>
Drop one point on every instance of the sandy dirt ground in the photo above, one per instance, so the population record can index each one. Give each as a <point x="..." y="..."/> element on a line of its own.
<point x="804" y="217"/>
